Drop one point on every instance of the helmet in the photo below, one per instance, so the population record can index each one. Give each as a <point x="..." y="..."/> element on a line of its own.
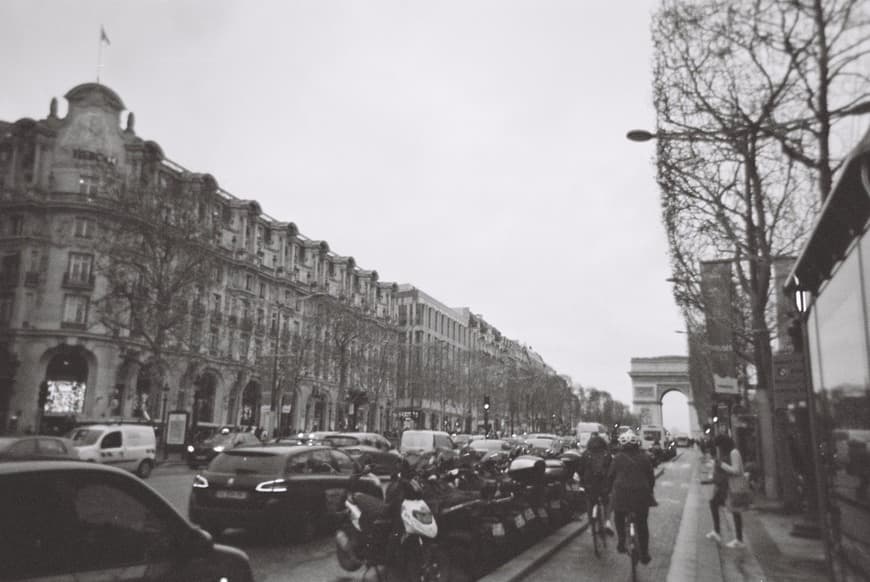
<point x="628" y="438"/>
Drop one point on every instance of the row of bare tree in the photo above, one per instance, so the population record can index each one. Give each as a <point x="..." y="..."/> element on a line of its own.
<point x="748" y="95"/>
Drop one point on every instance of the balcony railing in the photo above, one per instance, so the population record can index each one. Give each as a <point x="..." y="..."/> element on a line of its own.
<point x="73" y="325"/>
<point x="71" y="281"/>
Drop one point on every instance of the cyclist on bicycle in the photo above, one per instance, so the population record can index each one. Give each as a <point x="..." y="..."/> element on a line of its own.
<point x="631" y="480"/>
<point x="594" y="464"/>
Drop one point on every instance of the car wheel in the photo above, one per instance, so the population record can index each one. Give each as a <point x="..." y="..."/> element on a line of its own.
<point x="144" y="469"/>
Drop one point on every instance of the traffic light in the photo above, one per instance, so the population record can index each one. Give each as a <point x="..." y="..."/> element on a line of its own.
<point x="42" y="397"/>
<point x="486" y="402"/>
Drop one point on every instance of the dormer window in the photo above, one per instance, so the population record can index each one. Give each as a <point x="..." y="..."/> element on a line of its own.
<point x="88" y="185"/>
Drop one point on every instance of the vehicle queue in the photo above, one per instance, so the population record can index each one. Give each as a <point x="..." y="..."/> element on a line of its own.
<point x="477" y="501"/>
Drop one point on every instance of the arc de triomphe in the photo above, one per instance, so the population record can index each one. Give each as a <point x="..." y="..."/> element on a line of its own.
<point x="651" y="379"/>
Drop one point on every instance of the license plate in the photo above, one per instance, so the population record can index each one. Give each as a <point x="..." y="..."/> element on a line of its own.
<point x="520" y="521"/>
<point x="542" y="513"/>
<point x="530" y="514"/>
<point x="498" y="530"/>
<point x="231" y="494"/>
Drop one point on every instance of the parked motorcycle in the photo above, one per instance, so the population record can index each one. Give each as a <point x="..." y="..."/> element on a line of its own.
<point x="397" y="533"/>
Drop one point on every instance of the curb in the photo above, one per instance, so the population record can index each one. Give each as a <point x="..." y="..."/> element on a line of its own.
<point x="530" y="559"/>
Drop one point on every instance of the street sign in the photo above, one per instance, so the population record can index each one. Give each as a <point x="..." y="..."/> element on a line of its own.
<point x="176" y="428"/>
<point x="789" y="381"/>
<point x="725" y="385"/>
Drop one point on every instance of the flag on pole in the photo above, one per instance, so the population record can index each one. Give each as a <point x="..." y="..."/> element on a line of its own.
<point x="103" y="37"/>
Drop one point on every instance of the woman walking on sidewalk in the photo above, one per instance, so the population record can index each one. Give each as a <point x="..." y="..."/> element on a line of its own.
<point x="728" y="489"/>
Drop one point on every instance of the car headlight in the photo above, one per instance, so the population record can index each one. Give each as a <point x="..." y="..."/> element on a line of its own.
<point x="200" y="482"/>
<point x="190" y="448"/>
<point x="218" y="448"/>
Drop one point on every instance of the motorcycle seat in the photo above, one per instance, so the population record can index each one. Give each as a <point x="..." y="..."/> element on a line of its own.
<point x="370" y="506"/>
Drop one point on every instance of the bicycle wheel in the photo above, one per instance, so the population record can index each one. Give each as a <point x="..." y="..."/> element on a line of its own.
<point x="601" y="525"/>
<point x="593" y="525"/>
<point x="633" y="549"/>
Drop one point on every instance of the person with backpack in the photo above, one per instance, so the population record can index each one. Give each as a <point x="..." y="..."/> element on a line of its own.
<point x="631" y="480"/>
<point x="594" y="465"/>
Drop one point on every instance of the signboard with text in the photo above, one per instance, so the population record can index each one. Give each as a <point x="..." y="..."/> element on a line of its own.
<point x="717" y="291"/>
<point x="789" y="381"/>
<point x="176" y="428"/>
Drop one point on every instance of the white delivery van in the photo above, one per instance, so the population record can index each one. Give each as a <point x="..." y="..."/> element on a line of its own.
<point x="128" y="446"/>
<point x="651" y="433"/>
<point x="587" y="429"/>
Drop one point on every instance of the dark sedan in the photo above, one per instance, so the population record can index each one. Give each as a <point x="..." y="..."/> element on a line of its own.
<point x="21" y="448"/>
<point x="367" y="449"/>
<point x="202" y="453"/>
<point x="495" y="449"/>
<point x="65" y="520"/>
<point x="296" y="490"/>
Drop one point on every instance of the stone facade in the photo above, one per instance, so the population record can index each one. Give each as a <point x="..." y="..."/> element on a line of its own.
<point x="651" y="379"/>
<point x="56" y="182"/>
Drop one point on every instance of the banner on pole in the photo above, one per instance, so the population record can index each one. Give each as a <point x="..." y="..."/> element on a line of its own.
<point x="717" y="292"/>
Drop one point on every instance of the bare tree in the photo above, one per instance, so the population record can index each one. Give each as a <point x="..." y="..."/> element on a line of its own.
<point x="155" y="256"/>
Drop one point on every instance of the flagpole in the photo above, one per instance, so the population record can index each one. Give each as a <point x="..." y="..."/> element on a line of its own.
<point x="99" y="55"/>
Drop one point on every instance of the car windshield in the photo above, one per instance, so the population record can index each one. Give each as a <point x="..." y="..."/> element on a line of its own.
<point x="84" y="436"/>
<point x="341" y="441"/>
<point x="245" y="461"/>
<point x="652" y="435"/>
<point x="417" y="440"/>
<point x="540" y="443"/>
<point x="489" y="445"/>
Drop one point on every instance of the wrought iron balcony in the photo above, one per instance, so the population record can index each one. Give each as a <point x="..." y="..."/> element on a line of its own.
<point x="71" y="281"/>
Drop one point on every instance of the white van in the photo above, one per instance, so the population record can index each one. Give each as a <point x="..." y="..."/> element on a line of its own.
<point x="587" y="429"/>
<point x="128" y="446"/>
<point x="651" y="433"/>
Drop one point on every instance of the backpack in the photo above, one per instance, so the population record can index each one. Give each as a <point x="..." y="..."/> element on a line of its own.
<point x="597" y="465"/>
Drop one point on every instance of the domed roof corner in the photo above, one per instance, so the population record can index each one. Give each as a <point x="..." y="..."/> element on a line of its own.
<point x="90" y="91"/>
<point x="292" y="229"/>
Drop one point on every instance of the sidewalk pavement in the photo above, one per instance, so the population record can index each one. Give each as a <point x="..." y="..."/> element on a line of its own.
<point x="771" y="553"/>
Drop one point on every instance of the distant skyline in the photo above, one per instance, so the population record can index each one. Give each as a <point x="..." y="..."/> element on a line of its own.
<point x="473" y="149"/>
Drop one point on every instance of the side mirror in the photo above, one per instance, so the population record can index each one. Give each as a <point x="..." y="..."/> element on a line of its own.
<point x="197" y="542"/>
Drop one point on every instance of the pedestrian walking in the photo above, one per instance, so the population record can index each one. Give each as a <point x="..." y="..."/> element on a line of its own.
<point x="730" y="489"/>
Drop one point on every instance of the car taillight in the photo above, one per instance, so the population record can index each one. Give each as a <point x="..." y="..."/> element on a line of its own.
<point x="200" y="482"/>
<point x="276" y="486"/>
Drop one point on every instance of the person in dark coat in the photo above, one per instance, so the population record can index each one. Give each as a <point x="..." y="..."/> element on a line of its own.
<point x="631" y="481"/>
<point x="594" y="466"/>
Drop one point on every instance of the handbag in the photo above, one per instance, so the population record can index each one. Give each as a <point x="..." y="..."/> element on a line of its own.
<point x="739" y="493"/>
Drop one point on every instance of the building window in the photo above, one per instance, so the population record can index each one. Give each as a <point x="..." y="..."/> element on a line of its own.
<point x="302" y="257"/>
<point x="249" y="282"/>
<point x="84" y="227"/>
<point x="216" y="302"/>
<point x="75" y="309"/>
<point x="216" y="274"/>
<point x="262" y="290"/>
<point x="274" y="328"/>
<point x="6" y="302"/>
<point x="16" y="225"/>
<point x="88" y="184"/>
<point x="244" y="346"/>
<point x="261" y="316"/>
<point x="79" y="269"/>
<point x="214" y="341"/>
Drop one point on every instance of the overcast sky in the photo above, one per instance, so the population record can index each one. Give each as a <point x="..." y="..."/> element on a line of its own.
<point x="474" y="149"/>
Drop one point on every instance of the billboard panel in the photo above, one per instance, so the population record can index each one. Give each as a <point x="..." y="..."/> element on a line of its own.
<point x="717" y="292"/>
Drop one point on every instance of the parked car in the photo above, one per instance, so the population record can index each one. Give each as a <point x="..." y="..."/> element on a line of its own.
<point x="367" y="448"/>
<point x="65" y="520"/>
<point x="202" y="453"/>
<point x="19" y="448"/>
<point x="682" y="440"/>
<point x="296" y="490"/>
<point x="545" y="447"/>
<point x="460" y="440"/>
<point x="417" y="442"/>
<point x="126" y="446"/>
<point x="495" y="449"/>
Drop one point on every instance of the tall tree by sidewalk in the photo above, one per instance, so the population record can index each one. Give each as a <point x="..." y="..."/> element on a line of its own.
<point x="731" y="86"/>
<point x="156" y="257"/>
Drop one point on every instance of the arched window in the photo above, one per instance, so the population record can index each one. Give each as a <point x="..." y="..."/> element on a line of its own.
<point x="67" y="376"/>
<point x="206" y="386"/>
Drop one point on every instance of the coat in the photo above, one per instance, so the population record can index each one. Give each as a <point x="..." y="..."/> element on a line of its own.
<point x="631" y="480"/>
